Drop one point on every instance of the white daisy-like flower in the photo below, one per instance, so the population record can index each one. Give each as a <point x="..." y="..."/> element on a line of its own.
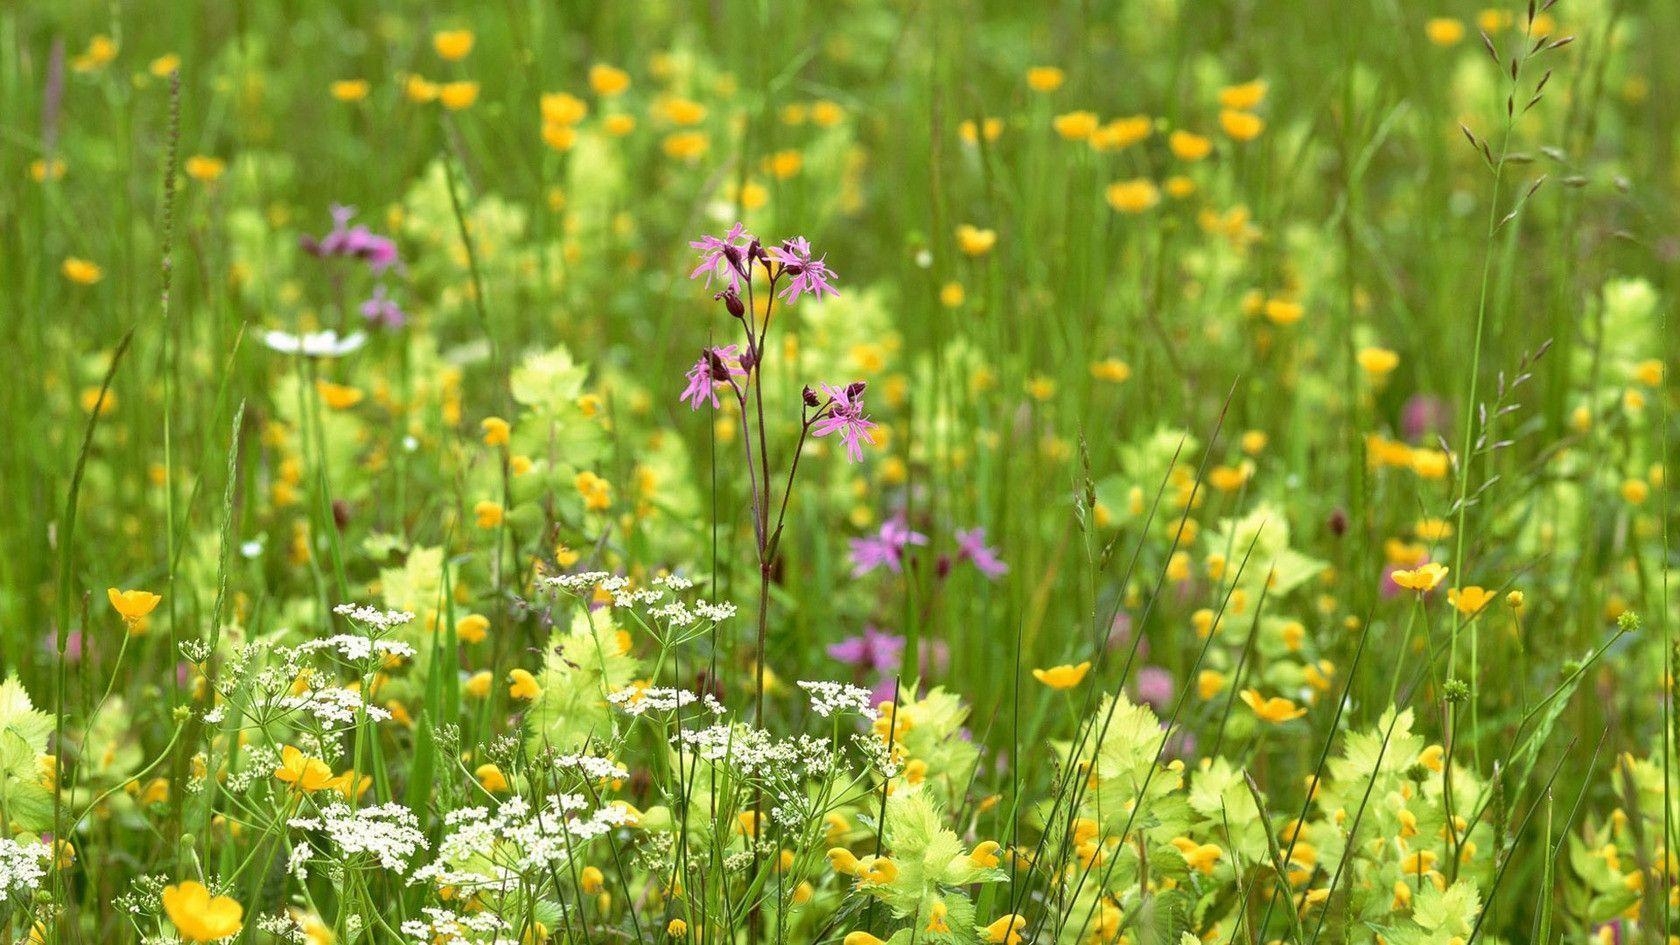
<point x="315" y="344"/>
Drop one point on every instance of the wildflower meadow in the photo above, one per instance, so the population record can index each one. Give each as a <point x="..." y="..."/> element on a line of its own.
<point x="1127" y="472"/>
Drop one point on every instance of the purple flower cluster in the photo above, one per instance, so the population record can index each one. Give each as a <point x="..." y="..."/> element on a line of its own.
<point x="885" y="549"/>
<point x="730" y="258"/>
<point x="877" y="654"/>
<point x="359" y="243"/>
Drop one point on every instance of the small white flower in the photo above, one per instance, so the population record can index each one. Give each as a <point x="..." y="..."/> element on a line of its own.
<point x="315" y="344"/>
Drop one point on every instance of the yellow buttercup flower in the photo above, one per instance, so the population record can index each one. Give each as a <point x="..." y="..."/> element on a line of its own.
<point x="686" y="145"/>
<point x="478" y="684"/>
<point x="453" y="45"/>
<point x="304" y="773"/>
<point x="523" y="685"/>
<point x="1241" y="126"/>
<point x="100" y="51"/>
<point x="1064" y="676"/>
<point x="1283" y="311"/>
<point x="784" y="164"/>
<point x="199" y="916"/>
<point x="1469" y="600"/>
<point x="1422" y="578"/>
<point x="1045" y="78"/>
<point x="338" y="396"/>
<point x="163" y="65"/>
<point x="496" y="431"/>
<point x="826" y="114"/>
<point x="350" y="90"/>
<point x="1377" y="363"/>
<point x="1243" y="97"/>
<point x="487" y="514"/>
<point x="1113" y="370"/>
<point x="1076" y="126"/>
<point x="1444" y="30"/>
<point x="491" y="778"/>
<point x="1201" y="857"/>
<point x="861" y="938"/>
<point x="1133" y="196"/>
<point x="204" y="168"/>
<point x="1276" y="709"/>
<point x="1121" y="133"/>
<point x="608" y="81"/>
<point x="133" y="605"/>
<point x="1189" y="147"/>
<point x="456" y="96"/>
<point x="681" y="111"/>
<point x="1209" y="683"/>
<point x="562" y="108"/>
<point x="974" y="241"/>
<point x="472" y="628"/>
<point x="1006" y="930"/>
<point x="420" y="89"/>
<point x="81" y="271"/>
<point x="596" y="492"/>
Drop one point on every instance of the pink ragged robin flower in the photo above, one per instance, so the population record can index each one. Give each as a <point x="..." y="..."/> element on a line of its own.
<point x="728" y="257"/>
<point x="844" y="414"/>
<point x="805" y="274"/>
<point x="714" y="368"/>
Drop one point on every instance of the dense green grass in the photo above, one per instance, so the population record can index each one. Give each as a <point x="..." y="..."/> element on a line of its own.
<point x="1413" y="303"/>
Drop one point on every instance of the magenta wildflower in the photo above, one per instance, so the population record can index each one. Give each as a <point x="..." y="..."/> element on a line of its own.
<point x="844" y="414"/>
<point x="728" y="257"/>
<point x="358" y="242"/>
<point x="806" y="274"/>
<point x="885" y="548"/>
<point x="714" y="368"/>
<point x="871" y="650"/>
<point x="383" y="309"/>
<point x="1155" y="686"/>
<point x="972" y="545"/>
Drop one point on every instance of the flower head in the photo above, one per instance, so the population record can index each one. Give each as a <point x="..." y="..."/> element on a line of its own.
<point x="1275" y="710"/>
<point x="1469" y="601"/>
<point x="133" y="605"/>
<point x="844" y="414"/>
<point x="972" y="545"/>
<point x="358" y="242"/>
<point x="1423" y="578"/>
<point x="870" y="650"/>
<point x="315" y="344"/>
<point x="885" y="548"/>
<point x="303" y="773"/>
<point x="1065" y="676"/>
<point x="714" y="368"/>
<point x="199" y="916"/>
<point x="808" y="275"/>
<point x="728" y="257"/>
<point x="383" y="310"/>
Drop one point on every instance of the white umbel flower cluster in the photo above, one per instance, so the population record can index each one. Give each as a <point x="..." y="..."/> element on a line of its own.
<point x="355" y="649"/>
<point x="22" y="866"/>
<point x="373" y="617"/>
<point x="332" y="707"/>
<point x="389" y="833"/>
<point x="829" y="698"/>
